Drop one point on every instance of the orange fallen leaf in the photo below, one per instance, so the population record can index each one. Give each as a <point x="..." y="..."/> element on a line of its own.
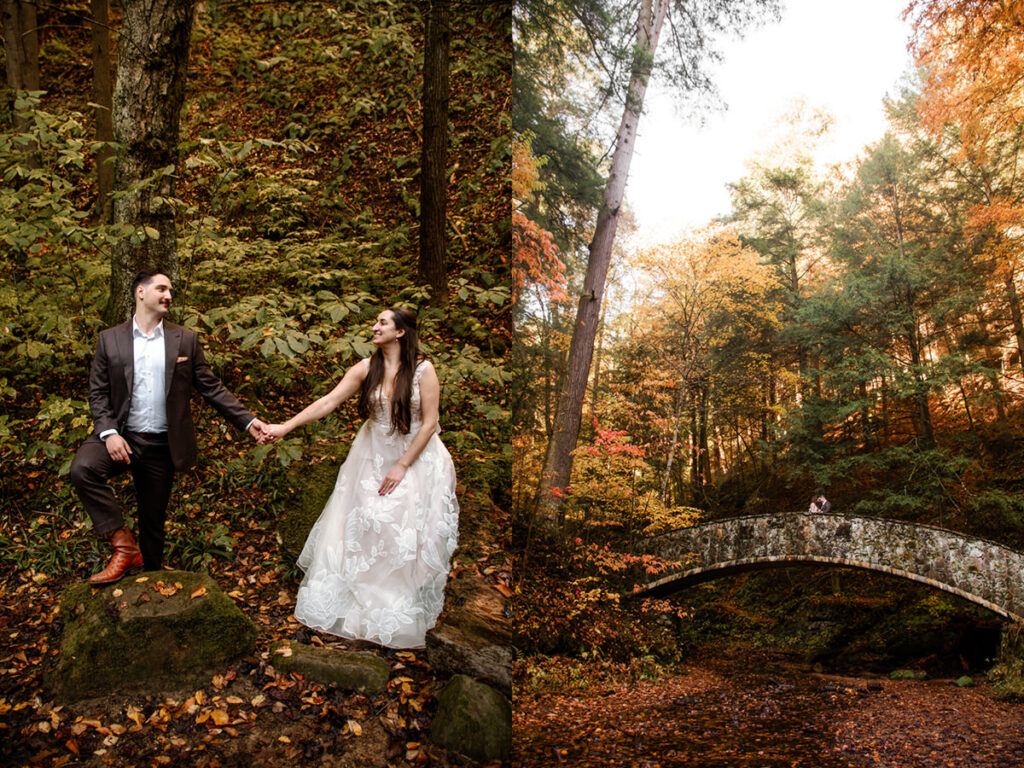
<point x="198" y="591"/>
<point x="220" y="717"/>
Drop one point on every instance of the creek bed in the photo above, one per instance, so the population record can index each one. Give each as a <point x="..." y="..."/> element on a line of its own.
<point x="729" y="710"/>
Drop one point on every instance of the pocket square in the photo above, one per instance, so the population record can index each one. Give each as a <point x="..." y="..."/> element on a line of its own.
<point x="180" y="360"/>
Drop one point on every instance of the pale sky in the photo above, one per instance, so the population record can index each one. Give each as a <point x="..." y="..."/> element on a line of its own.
<point x="841" y="55"/>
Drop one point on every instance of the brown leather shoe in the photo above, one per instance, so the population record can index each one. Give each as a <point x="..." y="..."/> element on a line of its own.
<point x="127" y="559"/>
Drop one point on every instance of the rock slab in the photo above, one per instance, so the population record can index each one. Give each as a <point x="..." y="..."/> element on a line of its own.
<point x="156" y="631"/>
<point x="350" y="670"/>
<point x="473" y="635"/>
<point x="473" y="719"/>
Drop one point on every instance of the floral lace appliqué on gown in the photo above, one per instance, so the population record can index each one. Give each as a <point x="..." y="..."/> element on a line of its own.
<point x="375" y="565"/>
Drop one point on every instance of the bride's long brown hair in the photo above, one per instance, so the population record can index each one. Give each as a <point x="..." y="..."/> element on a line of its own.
<point x="408" y="358"/>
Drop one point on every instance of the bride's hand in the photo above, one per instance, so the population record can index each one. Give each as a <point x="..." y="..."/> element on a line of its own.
<point x="391" y="480"/>
<point x="273" y="432"/>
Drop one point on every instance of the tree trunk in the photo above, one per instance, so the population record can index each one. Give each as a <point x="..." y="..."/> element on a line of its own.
<point x="148" y="97"/>
<point x="885" y="412"/>
<point x="923" y="421"/>
<point x="718" y="467"/>
<point x="21" y="47"/>
<point x="1018" y="324"/>
<point x="102" y="98"/>
<point x="30" y="43"/>
<point x="558" y="462"/>
<point x="433" y="172"/>
<point x="703" y="452"/>
<point x="596" y="384"/>
<point x="696" y="481"/>
<point x="673" y="445"/>
<point x="865" y="414"/>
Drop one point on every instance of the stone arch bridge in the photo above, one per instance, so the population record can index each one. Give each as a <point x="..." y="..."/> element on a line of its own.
<point x="981" y="571"/>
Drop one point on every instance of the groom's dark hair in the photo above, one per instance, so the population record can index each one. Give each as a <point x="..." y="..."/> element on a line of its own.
<point x="144" y="276"/>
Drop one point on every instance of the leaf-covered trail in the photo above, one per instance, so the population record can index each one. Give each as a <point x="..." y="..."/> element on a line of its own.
<point x="251" y="715"/>
<point x="729" y="711"/>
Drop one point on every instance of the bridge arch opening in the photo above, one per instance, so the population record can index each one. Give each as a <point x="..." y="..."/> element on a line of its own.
<point x="678" y="582"/>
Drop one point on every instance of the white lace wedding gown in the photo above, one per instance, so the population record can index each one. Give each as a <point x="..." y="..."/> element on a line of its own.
<point x="375" y="565"/>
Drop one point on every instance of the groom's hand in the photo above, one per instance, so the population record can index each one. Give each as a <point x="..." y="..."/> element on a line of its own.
<point x="256" y="430"/>
<point x="118" y="449"/>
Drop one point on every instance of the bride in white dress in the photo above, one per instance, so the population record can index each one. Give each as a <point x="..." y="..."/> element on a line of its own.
<point x="377" y="559"/>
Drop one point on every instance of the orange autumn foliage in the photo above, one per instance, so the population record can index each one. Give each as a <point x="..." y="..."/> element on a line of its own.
<point x="972" y="52"/>
<point x="535" y="259"/>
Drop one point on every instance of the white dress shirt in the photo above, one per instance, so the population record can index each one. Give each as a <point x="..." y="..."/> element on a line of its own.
<point x="148" y="410"/>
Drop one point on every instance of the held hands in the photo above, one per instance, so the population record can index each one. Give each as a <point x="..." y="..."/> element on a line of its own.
<point x="391" y="480"/>
<point x="267" y="433"/>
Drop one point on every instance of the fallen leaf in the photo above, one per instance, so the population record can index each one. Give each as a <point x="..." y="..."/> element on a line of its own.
<point x="220" y="717"/>
<point x="198" y="591"/>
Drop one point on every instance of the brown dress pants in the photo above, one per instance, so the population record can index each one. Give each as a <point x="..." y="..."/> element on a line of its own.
<point x="152" y="474"/>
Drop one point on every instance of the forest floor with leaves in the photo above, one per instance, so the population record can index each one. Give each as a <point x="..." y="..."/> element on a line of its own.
<point x="754" y="709"/>
<point x="249" y="715"/>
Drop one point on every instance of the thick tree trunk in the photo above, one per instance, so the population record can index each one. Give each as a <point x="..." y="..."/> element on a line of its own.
<point x="433" y="172"/>
<point x="102" y="98"/>
<point x="558" y="462"/>
<point x="148" y="97"/>
<point x="30" y="43"/>
<point x="596" y="384"/>
<point x="21" y="48"/>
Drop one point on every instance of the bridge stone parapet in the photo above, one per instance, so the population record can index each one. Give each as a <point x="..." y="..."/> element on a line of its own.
<point x="978" y="570"/>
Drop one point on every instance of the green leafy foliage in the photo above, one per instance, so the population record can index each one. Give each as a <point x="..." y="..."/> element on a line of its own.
<point x="296" y="218"/>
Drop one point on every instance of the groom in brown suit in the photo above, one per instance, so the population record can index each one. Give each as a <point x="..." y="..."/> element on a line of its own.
<point x="142" y="377"/>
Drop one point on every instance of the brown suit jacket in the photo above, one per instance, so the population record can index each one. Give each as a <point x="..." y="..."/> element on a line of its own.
<point x="110" y="387"/>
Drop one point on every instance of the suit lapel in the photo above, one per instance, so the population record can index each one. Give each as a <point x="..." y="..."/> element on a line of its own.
<point x="126" y="350"/>
<point x="172" y="342"/>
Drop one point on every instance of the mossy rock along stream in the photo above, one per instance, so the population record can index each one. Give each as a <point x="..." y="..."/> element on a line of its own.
<point x="156" y="631"/>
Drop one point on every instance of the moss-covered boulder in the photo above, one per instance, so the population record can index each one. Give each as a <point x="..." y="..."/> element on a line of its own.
<point x="159" y="630"/>
<point x="310" y="486"/>
<point x="351" y="670"/>
<point x="1008" y="673"/>
<point x="473" y="719"/>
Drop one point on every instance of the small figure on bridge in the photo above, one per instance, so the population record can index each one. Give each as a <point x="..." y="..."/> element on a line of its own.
<point x="819" y="504"/>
